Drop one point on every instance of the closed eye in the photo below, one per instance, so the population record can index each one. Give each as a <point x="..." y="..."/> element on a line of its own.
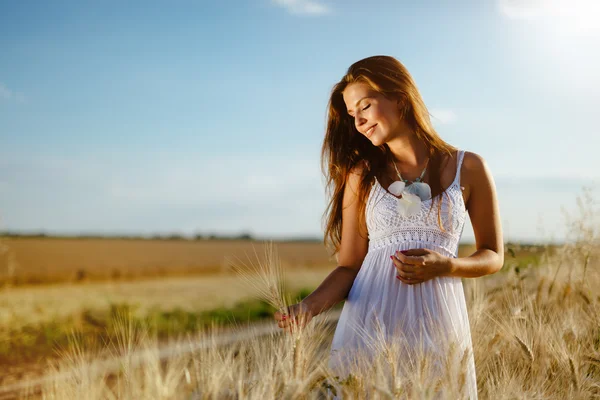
<point x="362" y="109"/>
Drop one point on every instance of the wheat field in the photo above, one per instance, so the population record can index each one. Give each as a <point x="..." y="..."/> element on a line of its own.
<point x="31" y="260"/>
<point x="535" y="327"/>
<point x="536" y="334"/>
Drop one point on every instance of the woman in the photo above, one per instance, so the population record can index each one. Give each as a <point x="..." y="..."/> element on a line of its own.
<point x="399" y="200"/>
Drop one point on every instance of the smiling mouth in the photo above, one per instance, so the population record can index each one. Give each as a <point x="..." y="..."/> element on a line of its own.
<point x="369" y="132"/>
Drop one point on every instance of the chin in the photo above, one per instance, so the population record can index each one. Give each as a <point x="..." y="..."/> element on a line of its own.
<point x="376" y="141"/>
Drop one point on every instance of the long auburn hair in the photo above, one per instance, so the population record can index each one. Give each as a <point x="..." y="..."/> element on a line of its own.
<point x="344" y="148"/>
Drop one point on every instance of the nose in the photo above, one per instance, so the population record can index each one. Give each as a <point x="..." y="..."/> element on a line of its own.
<point x="359" y="121"/>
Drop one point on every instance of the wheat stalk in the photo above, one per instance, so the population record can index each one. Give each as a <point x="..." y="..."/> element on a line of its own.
<point x="494" y="340"/>
<point x="265" y="277"/>
<point x="574" y="378"/>
<point x="525" y="348"/>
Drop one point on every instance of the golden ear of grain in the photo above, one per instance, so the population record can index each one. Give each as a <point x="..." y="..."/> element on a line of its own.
<point x="464" y="359"/>
<point x="462" y="379"/>
<point x="574" y="377"/>
<point x="422" y="370"/>
<point x="265" y="277"/>
<point x="463" y="371"/>
<point x="494" y="340"/>
<point x="438" y="386"/>
<point x="592" y="359"/>
<point x="525" y="348"/>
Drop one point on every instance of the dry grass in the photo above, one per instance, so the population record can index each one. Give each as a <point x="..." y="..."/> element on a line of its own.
<point x="526" y="345"/>
<point x="34" y="320"/>
<point x="38" y="304"/>
<point x="535" y="329"/>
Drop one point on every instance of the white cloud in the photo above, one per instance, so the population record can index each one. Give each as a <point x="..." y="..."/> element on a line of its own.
<point x="443" y="116"/>
<point x="573" y="16"/>
<point x="7" y="94"/>
<point x="521" y="9"/>
<point x="303" y="7"/>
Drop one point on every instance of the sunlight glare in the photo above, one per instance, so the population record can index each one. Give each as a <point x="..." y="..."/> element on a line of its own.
<point x="578" y="17"/>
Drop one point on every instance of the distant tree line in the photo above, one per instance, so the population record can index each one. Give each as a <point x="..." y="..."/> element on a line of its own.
<point x="168" y="236"/>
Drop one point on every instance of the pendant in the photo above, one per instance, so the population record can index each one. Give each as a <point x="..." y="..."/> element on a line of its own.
<point x="397" y="188"/>
<point x="420" y="189"/>
<point x="409" y="204"/>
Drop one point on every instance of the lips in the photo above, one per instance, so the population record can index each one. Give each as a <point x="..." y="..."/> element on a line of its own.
<point x="370" y="131"/>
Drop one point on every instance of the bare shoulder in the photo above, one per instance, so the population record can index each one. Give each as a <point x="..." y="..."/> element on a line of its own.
<point x="473" y="160"/>
<point x="475" y="168"/>
<point x="353" y="180"/>
<point x="475" y="174"/>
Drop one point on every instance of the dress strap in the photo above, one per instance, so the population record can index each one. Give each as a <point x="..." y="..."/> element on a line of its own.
<point x="461" y="154"/>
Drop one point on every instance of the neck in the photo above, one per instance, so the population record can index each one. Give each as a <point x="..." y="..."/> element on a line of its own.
<point x="408" y="150"/>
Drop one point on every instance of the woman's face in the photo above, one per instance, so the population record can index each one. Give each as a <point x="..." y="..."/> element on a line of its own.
<point x="375" y="116"/>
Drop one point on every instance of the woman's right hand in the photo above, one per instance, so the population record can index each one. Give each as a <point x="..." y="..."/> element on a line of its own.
<point x="298" y="315"/>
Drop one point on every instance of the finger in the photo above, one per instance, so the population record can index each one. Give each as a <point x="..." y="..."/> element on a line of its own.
<point x="403" y="258"/>
<point x="415" y="252"/>
<point x="283" y="324"/>
<point x="408" y="275"/>
<point x="412" y="261"/>
<point x="411" y="281"/>
<point x="292" y="326"/>
<point x="283" y="312"/>
<point x="413" y="257"/>
<point x="299" y="322"/>
<point x="408" y="268"/>
<point x="279" y="315"/>
<point x="407" y="271"/>
<point x="396" y="262"/>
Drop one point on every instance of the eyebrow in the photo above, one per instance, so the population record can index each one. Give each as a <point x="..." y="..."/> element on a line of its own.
<point x="366" y="97"/>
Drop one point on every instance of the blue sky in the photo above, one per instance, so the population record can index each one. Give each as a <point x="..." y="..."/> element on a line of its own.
<point x="208" y="117"/>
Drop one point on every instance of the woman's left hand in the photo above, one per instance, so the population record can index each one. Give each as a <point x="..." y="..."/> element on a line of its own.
<point x="419" y="265"/>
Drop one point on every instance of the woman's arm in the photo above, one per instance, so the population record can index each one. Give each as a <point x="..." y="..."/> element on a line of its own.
<point x="485" y="218"/>
<point x="332" y="290"/>
<point x="353" y="249"/>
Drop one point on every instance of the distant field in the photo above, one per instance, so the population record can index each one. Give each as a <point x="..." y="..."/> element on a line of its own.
<point x="49" y="260"/>
<point x="59" y="260"/>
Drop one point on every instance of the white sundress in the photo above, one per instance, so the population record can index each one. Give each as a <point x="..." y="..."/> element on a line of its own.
<point x="379" y="305"/>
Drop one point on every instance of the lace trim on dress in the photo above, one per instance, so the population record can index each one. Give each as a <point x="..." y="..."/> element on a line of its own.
<point x="386" y="226"/>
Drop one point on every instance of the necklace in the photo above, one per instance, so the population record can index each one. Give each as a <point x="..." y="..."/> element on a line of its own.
<point x="416" y="180"/>
<point x="416" y="191"/>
